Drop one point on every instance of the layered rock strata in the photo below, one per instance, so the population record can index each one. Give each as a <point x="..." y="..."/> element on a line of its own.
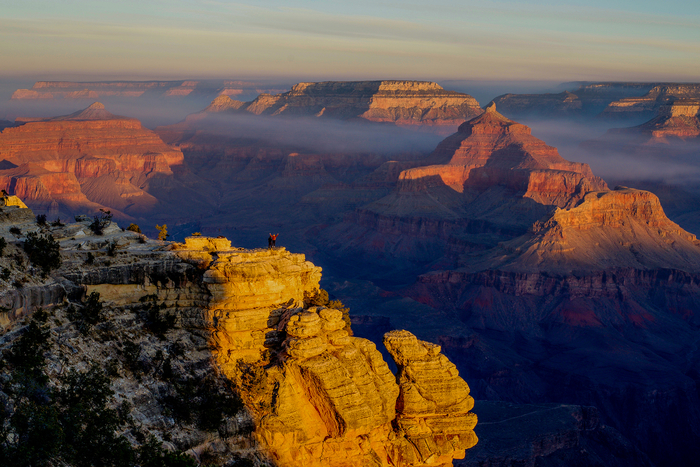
<point x="653" y="100"/>
<point x="400" y="102"/>
<point x="486" y="183"/>
<point x="89" y="159"/>
<point x="323" y="392"/>
<point x="678" y="119"/>
<point x="317" y="395"/>
<point x="134" y="89"/>
<point x="584" y="100"/>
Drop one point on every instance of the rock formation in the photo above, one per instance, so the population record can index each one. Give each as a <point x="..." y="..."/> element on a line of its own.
<point x="317" y="395"/>
<point x="85" y="160"/>
<point x="133" y="89"/>
<point x="535" y="263"/>
<point x="585" y="100"/>
<point x="650" y="103"/>
<point x="488" y="181"/>
<point x="399" y="102"/>
<point x="676" y="119"/>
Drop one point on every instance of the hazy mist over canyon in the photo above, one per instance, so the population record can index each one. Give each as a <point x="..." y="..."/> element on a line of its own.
<point x="323" y="234"/>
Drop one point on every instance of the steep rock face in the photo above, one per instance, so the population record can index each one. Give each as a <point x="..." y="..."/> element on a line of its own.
<point x="565" y="104"/>
<point x="400" y="102"/>
<point x="489" y="181"/>
<point x="89" y="159"/>
<point x="586" y="100"/>
<point x="247" y="292"/>
<point x="650" y="103"/>
<point x="434" y="403"/>
<point x="325" y="392"/>
<point x="224" y="103"/>
<point x="677" y="119"/>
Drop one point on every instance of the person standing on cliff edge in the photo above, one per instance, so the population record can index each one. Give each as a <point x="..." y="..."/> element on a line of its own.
<point x="271" y="241"/>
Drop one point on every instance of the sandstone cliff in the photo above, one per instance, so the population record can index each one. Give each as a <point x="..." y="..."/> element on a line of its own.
<point x="583" y="100"/>
<point x="84" y="161"/>
<point x="652" y="101"/>
<point x="314" y="394"/>
<point x="399" y="102"/>
<point x="135" y="89"/>
<point x="486" y="183"/>
<point x="677" y="119"/>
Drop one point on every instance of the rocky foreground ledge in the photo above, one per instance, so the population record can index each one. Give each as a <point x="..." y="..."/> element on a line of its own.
<point x="174" y="316"/>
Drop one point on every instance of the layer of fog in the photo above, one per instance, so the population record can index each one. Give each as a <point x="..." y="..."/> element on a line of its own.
<point x="615" y="158"/>
<point x="151" y="109"/>
<point x="486" y="91"/>
<point x="325" y="135"/>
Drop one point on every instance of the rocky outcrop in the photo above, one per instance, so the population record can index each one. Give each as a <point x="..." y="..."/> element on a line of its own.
<point x="584" y="100"/>
<point x="223" y="103"/>
<point x="84" y="161"/>
<point x="323" y="391"/>
<point x="400" y="102"/>
<point x="434" y="403"/>
<point x="562" y="104"/>
<point x="650" y="103"/>
<point x="312" y="389"/>
<point x="131" y="89"/>
<point x="678" y="119"/>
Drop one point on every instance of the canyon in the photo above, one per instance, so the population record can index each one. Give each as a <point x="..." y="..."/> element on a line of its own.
<point x="243" y="329"/>
<point x="315" y="394"/>
<point x="400" y="102"/>
<point x="135" y="89"/>
<point x="613" y="100"/>
<point x="540" y="283"/>
<point x="90" y="160"/>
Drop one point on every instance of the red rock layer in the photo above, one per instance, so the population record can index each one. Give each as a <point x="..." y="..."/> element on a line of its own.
<point x="107" y="152"/>
<point x="491" y="150"/>
<point x="400" y="102"/>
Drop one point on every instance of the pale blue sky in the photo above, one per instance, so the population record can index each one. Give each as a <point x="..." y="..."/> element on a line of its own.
<point x="304" y="39"/>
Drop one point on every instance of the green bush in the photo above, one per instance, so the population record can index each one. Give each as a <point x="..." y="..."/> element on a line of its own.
<point x="43" y="251"/>
<point x="156" y="321"/>
<point x="71" y="423"/>
<point x="134" y="228"/>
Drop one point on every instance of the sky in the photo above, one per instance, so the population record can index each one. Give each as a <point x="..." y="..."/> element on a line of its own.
<point x="516" y="40"/>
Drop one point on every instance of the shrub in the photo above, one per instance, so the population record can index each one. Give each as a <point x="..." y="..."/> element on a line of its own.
<point x="89" y="314"/>
<point x="131" y="353"/>
<point x="3" y="245"/>
<point x="57" y="223"/>
<point x="100" y="222"/>
<point x="5" y="274"/>
<point x="15" y="231"/>
<point x="41" y="219"/>
<point x="319" y="298"/>
<point x="90" y="258"/>
<point x="134" y="228"/>
<point x="162" y="231"/>
<point x="43" y="251"/>
<point x="111" y="248"/>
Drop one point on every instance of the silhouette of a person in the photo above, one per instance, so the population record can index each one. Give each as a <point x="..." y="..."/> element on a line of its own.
<point x="273" y="239"/>
<point x="269" y="242"/>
